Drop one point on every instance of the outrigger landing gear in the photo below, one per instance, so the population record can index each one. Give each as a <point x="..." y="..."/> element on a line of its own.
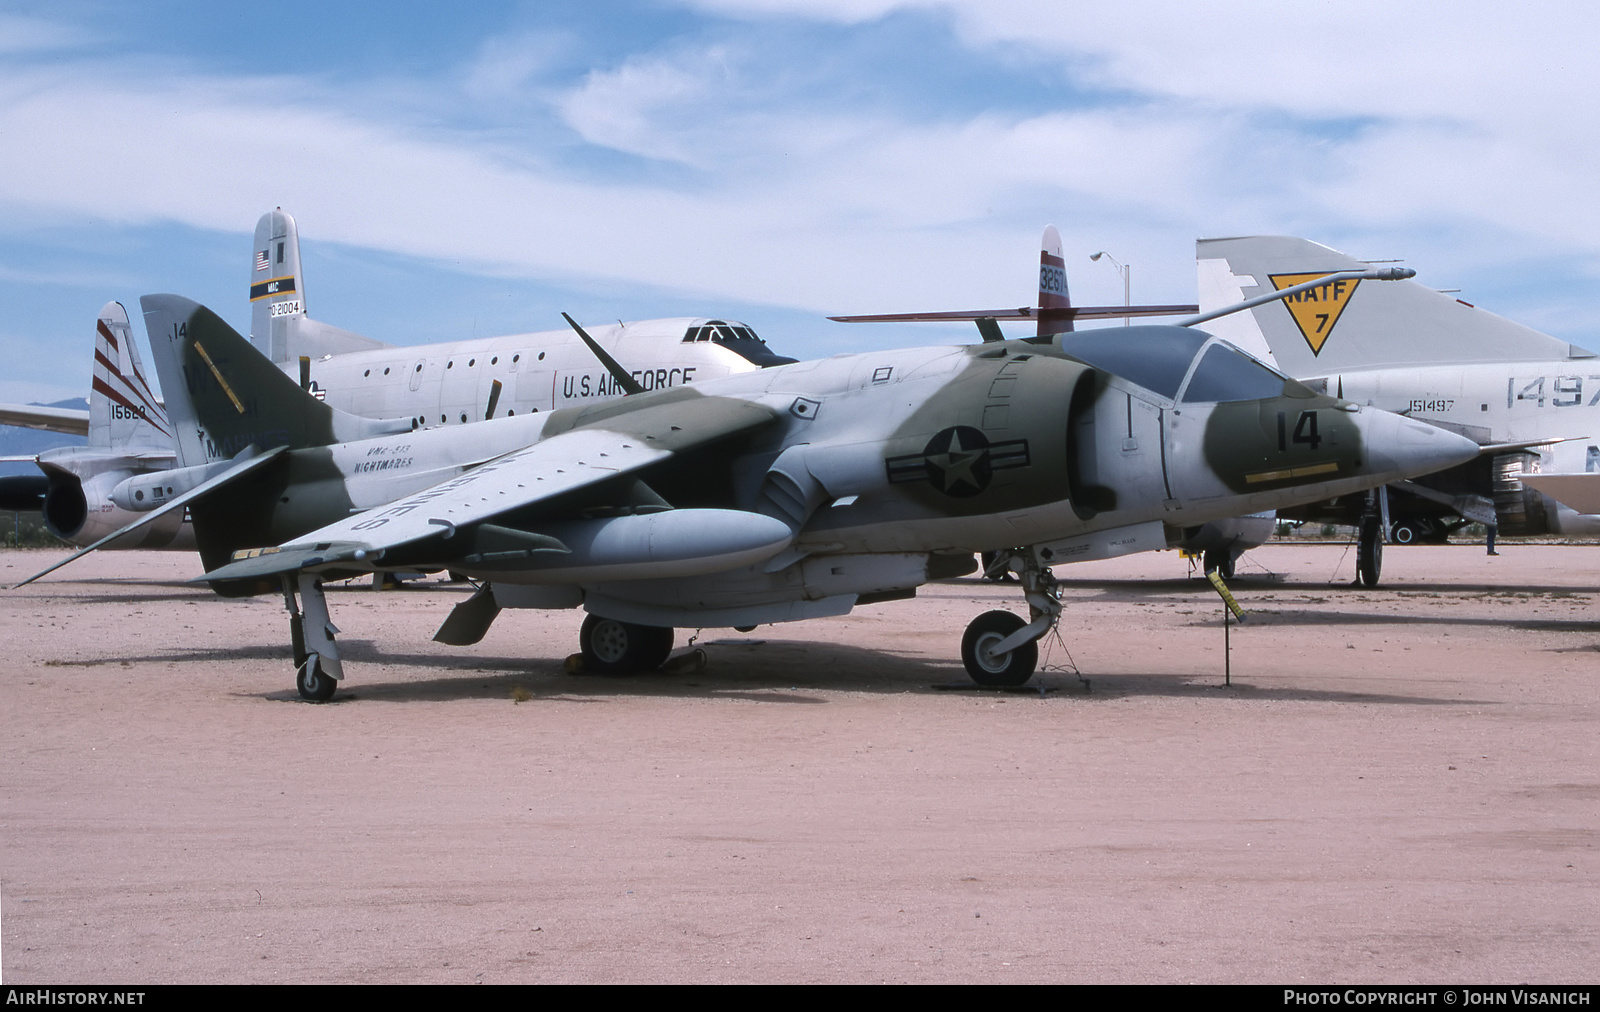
<point x="316" y="655"/>
<point x="999" y="648"/>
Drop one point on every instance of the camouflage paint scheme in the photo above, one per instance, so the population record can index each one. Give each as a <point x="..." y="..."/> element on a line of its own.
<point x="795" y="491"/>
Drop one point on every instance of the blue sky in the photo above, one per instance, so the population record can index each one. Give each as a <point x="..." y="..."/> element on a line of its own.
<point x="477" y="173"/>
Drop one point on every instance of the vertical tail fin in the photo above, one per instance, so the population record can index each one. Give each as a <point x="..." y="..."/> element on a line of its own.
<point x="123" y="410"/>
<point x="224" y="396"/>
<point x="277" y="288"/>
<point x="279" y="326"/>
<point x="1052" y="282"/>
<point x="1351" y="325"/>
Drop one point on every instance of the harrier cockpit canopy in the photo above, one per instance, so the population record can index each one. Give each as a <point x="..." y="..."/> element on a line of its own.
<point x="1161" y="359"/>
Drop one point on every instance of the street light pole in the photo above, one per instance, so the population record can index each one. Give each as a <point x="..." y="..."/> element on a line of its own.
<point x="1126" y="270"/>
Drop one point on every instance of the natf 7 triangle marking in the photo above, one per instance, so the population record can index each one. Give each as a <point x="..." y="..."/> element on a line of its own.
<point x="1315" y="310"/>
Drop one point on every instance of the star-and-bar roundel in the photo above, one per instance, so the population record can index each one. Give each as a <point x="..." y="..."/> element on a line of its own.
<point x="958" y="461"/>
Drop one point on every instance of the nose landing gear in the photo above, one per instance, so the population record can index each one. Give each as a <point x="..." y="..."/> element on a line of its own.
<point x="999" y="648"/>
<point x="1369" y="552"/>
<point x="984" y="664"/>
<point x="1369" y="539"/>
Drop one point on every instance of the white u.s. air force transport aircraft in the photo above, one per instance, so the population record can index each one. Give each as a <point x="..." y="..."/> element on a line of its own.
<point x="770" y="496"/>
<point x="411" y="387"/>
<point x="468" y="381"/>
<point x="1531" y="400"/>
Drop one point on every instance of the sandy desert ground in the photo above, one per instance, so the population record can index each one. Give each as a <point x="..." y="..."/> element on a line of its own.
<point x="1400" y="786"/>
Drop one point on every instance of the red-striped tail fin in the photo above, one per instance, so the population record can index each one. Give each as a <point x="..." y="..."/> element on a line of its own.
<point x="1052" y="283"/>
<point x="123" y="410"/>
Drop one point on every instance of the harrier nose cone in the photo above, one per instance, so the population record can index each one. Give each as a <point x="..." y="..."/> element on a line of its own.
<point x="1400" y="447"/>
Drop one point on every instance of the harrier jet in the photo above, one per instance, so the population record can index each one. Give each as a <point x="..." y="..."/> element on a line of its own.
<point x="788" y="493"/>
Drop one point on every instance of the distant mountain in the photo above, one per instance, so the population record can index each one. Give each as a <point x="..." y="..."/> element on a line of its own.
<point x="15" y="442"/>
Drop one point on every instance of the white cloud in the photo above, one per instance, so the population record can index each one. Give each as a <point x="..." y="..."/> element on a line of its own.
<point x="508" y="67"/>
<point x="1478" y="109"/>
<point x="819" y="224"/>
<point x="640" y="108"/>
<point x="731" y="187"/>
<point x="24" y="35"/>
<point x="849" y="12"/>
<point x="1462" y="59"/>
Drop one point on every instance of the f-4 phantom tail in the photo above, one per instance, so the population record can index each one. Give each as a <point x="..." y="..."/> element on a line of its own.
<point x="793" y="492"/>
<point x="1531" y="400"/>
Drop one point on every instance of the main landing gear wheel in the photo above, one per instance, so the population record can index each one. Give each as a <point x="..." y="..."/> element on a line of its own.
<point x="1369" y="552"/>
<point x="314" y="683"/>
<point x="988" y="629"/>
<point x="612" y="646"/>
<point x="1404" y="533"/>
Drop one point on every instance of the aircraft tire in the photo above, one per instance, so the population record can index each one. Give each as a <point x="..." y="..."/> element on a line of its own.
<point x="612" y="646"/>
<point x="1369" y="553"/>
<point x="986" y="630"/>
<point x="314" y="684"/>
<point x="1404" y="533"/>
<point x="1219" y="559"/>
